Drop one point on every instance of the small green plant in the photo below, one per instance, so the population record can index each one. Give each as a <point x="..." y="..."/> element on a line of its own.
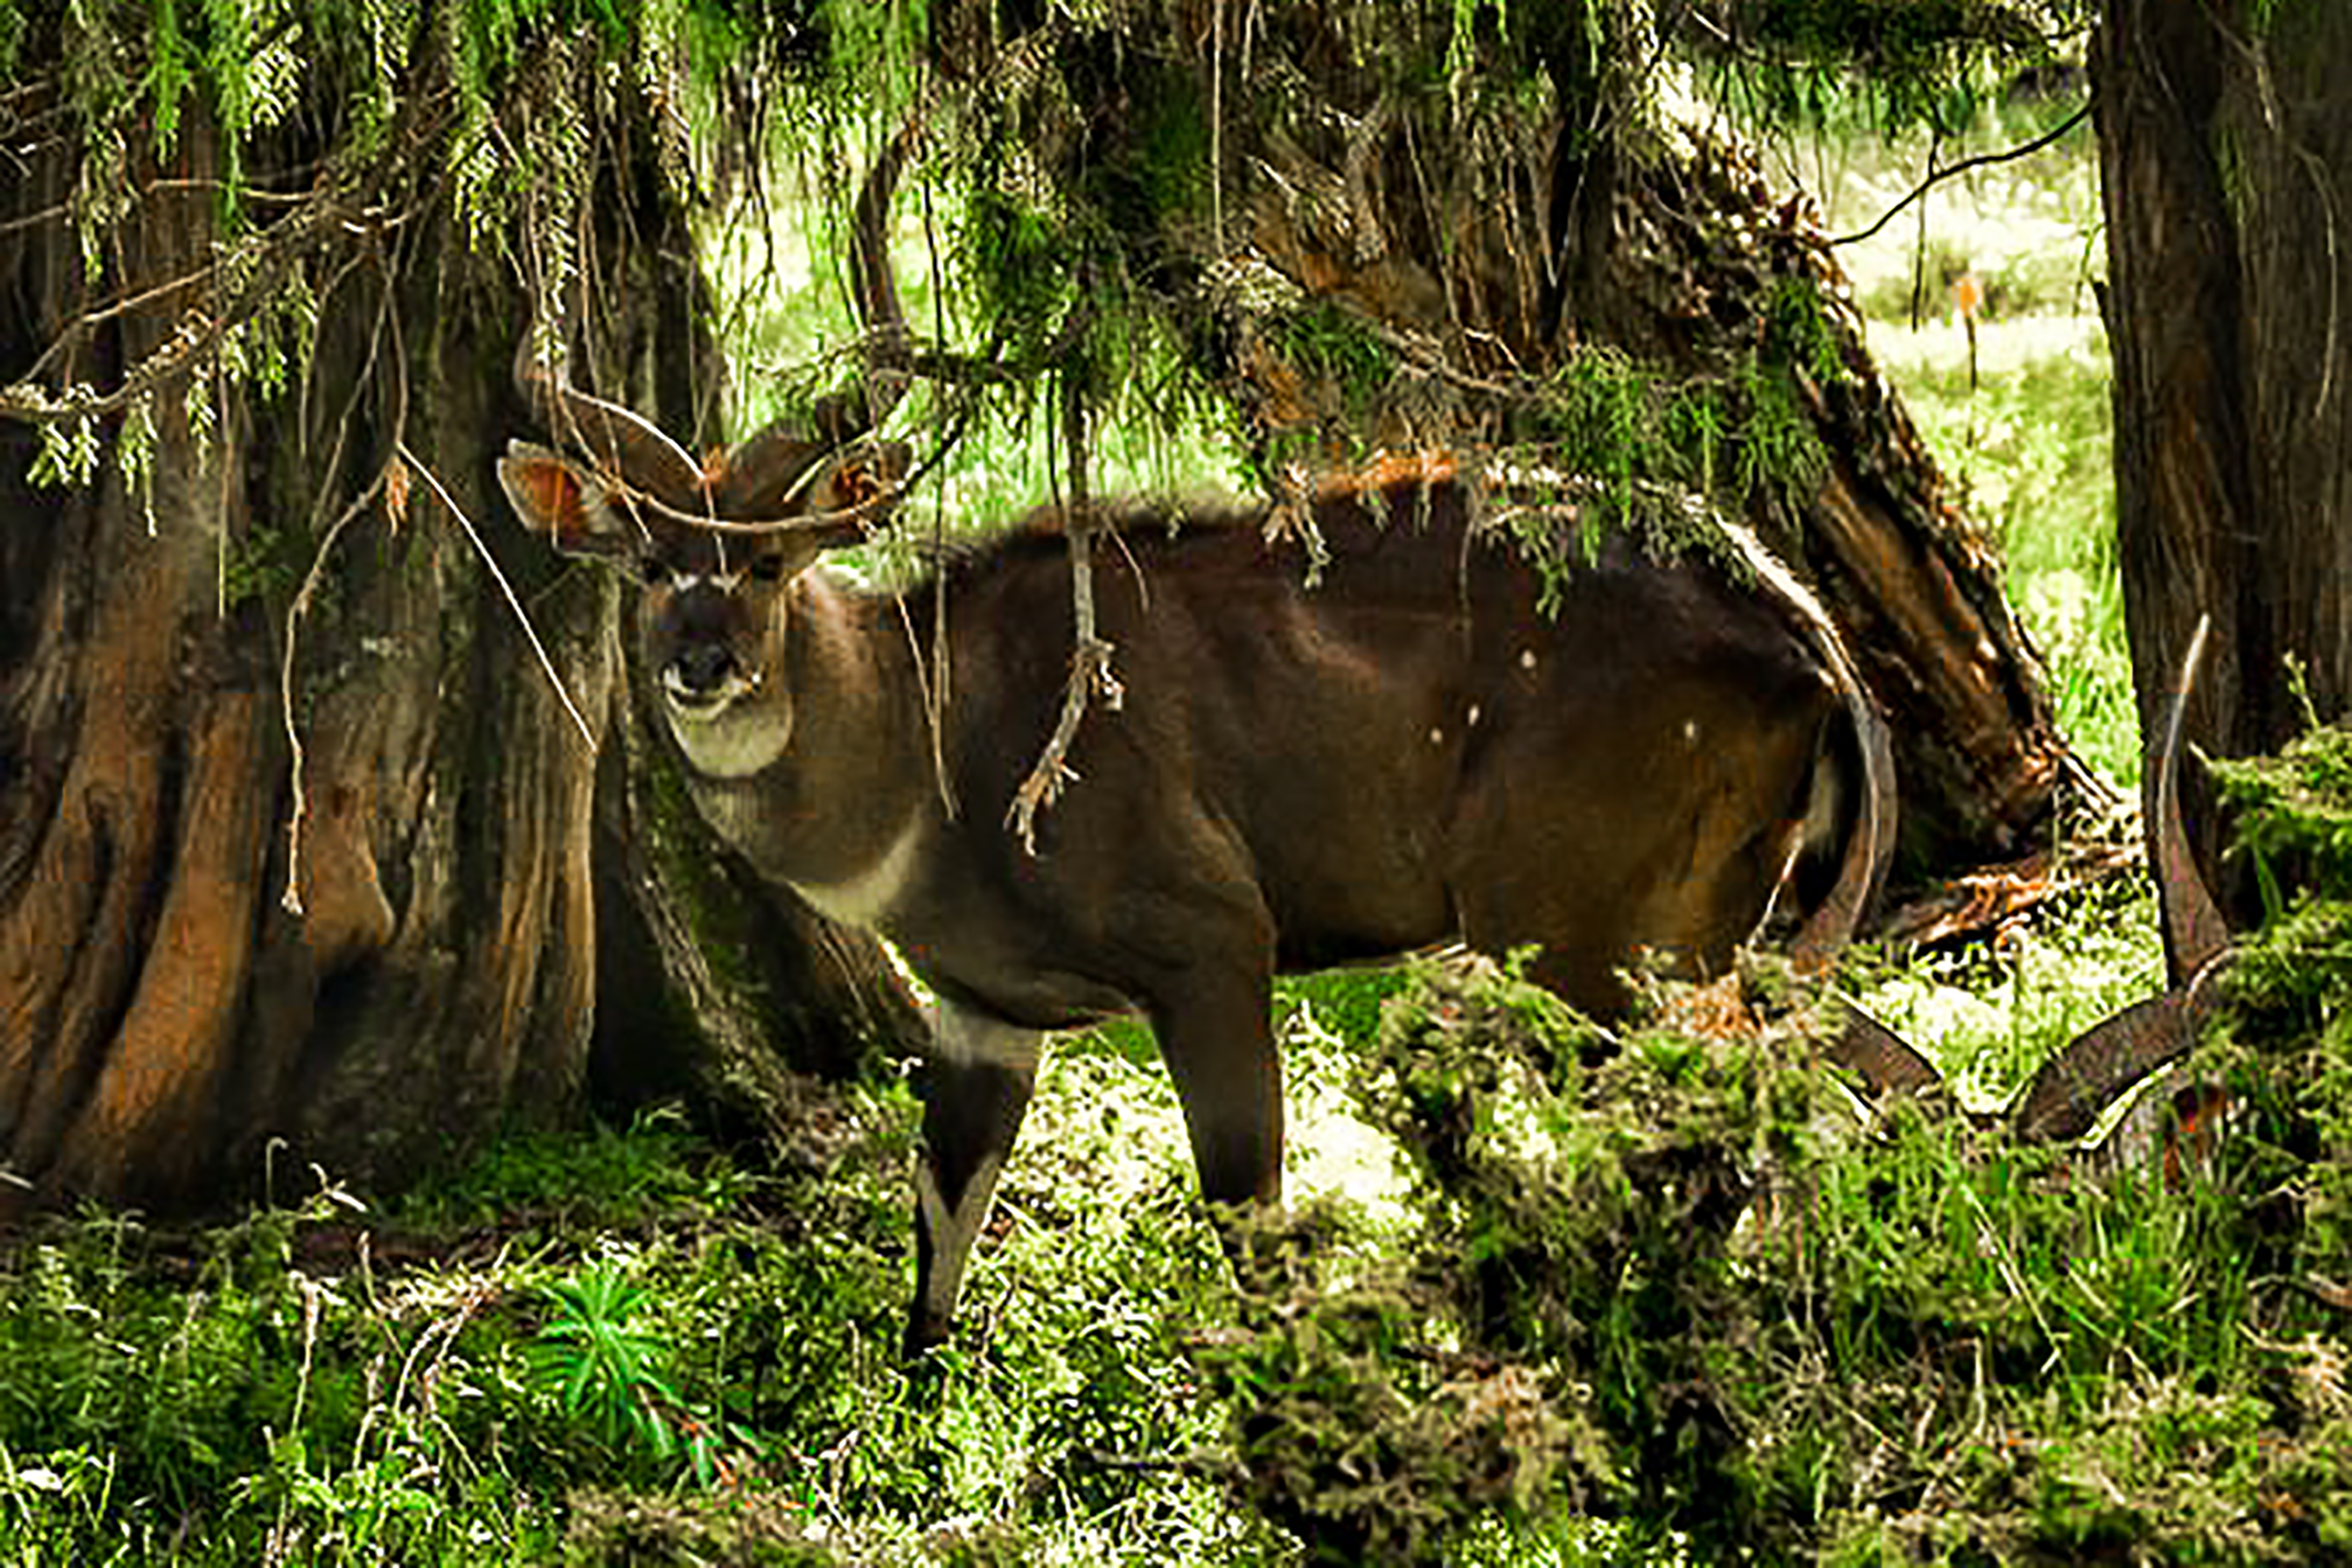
<point x="2293" y="985"/>
<point x="605" y="1367"/>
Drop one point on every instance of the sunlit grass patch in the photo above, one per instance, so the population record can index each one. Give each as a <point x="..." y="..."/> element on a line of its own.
<point x="1991" y="1013"/>
<point x="1331" y="1151"/>
<point x="2031" y="230"/>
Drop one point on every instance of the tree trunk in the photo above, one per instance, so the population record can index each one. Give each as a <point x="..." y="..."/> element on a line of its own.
<point x="476" y="926"/>
<point x="2226" y="144"/>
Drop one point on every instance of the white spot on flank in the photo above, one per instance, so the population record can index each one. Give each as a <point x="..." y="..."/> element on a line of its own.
<point x="1690" y="732"/>
<point x="1475" y="715"/>
<point x="1527" y="658"/>
<point x="866" y="898"/>
<point x="1437" y="737"/>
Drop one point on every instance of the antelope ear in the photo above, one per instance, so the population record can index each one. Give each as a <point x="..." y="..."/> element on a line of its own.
<point x="556" y="497"/>
<point x="858" y="474"/>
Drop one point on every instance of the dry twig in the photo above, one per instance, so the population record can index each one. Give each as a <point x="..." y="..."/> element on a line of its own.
<point x="1090" y="660"/>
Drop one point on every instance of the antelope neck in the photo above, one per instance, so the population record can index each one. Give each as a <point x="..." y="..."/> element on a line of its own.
<point x="835" y="811"/>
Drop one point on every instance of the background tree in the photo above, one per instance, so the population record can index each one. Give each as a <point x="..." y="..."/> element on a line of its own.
<point x="299" y="840"/>
<point x="2226" y="144"/>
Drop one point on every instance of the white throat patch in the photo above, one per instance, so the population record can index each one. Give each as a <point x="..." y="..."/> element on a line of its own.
<point x="733" y="740"/>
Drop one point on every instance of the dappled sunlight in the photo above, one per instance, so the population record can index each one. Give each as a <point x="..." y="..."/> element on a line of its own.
<point x="1331" y="1152"/>
<point x="2005" y="346"/>
<point x="1989" y="1014"/>
<point x="2027" y="443"/>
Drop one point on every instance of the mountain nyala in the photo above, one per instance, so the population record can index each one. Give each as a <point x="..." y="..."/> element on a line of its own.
<point x="1405" y="751"/>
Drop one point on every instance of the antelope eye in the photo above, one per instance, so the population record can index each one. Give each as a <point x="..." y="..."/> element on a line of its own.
<point x="653" y="569"/>
<point x="767" y="568"/>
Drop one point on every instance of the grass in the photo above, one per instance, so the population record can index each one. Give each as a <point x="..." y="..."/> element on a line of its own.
<point x="1991" y="1013"/>
<point x="2017" y="413"/>
<point x="2026" y="435"/>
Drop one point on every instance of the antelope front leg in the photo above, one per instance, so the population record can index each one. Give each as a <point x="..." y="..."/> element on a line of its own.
<point x="973" y="1089"/>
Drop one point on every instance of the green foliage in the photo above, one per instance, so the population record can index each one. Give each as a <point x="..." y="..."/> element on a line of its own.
<point x="1992" y="1012"/>
<point x="1017" y="256"/>
<point x="1726" y="1313"/>
<point x="1337" y="349"/>
<point x="68" y="448"/>
<point x="1158" y="177"/>
<point x="1647" y="439"/>
<point x="12" y="34"/>
<point x="168" y="1397"/>
<point x="262" y="564"/>
<point x="625" y="1529"/>
<point x="623" y="1175"/>
<point x="1112" y="164"/>
<point x="497" y="113"/>
<point x="604" y="1364"/>
<point x="1898" y="63"/>
<point x="1663" y="1276"/>
<point x="1591" y="1190"/>
<point x="2296" y="811"/>
<point x="2292" y="983"/>
<point x="1359" y="1426"/>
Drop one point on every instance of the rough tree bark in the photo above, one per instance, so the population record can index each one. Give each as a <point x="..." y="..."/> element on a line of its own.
<point x="483" y="925"/>
<point x="2226" y="142"/>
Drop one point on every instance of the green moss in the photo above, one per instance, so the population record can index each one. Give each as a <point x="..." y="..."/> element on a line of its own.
<point x="723" y="928"/>
<point x="1332" y="346"/>
<point x="2291" y="983"/>
<point x="1158" y="175"/>
<point x="1766" y="1339"/>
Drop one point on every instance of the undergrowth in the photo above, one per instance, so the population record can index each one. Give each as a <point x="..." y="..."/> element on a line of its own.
<point x="1671" y="1281"/>
<point x="1648" y="1297"/>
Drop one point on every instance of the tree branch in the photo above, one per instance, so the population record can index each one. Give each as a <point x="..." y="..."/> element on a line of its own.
<point x="1982" y="160"/>
<point x="248" y="278"/>
<point x="416" y="466"/>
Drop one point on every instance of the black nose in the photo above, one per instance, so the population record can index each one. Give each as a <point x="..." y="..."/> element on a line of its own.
<point x="704" y="667"/>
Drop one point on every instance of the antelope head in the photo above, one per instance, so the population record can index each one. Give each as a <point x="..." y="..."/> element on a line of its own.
<point x="718" y="550"/>
<point x="2068" y="1096"/>
<point x="720" y="545"/>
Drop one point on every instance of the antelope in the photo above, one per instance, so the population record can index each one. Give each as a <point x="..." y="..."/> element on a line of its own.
<point x="1409" y="752"/>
